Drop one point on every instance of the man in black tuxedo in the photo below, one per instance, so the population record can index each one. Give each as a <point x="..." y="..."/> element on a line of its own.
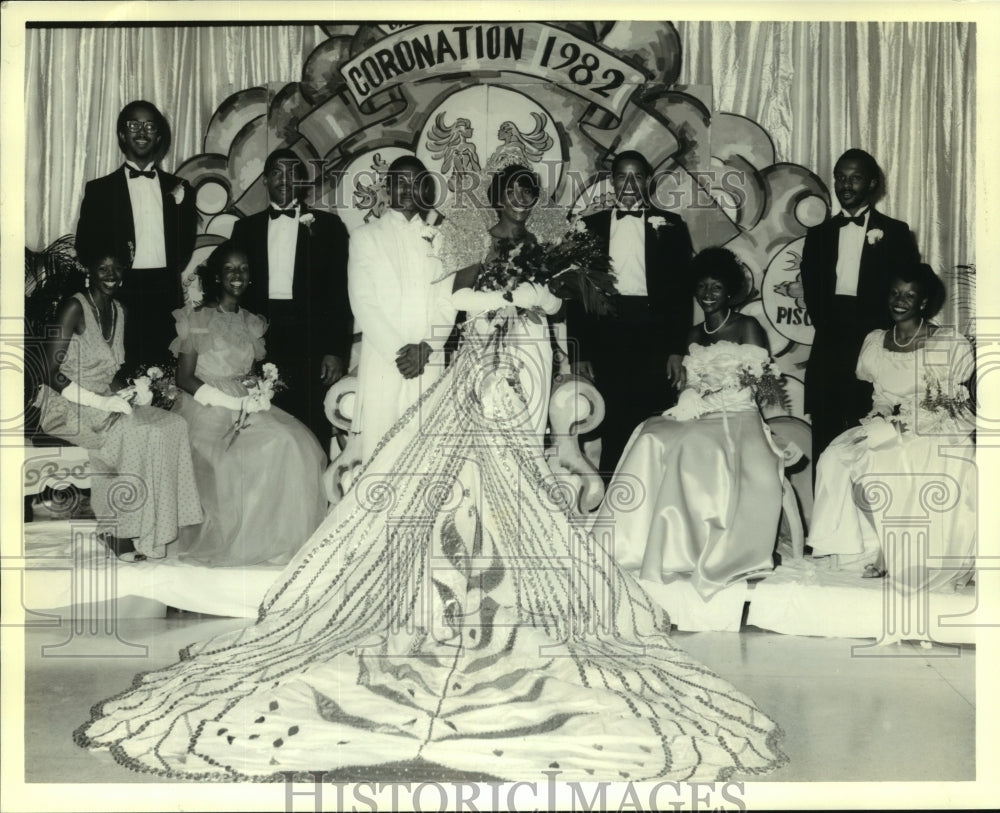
<point x="141" y="212"/>
<point x="298" y="275"/>
<point x="634" y="357"/>
<point x="847" y="262"/>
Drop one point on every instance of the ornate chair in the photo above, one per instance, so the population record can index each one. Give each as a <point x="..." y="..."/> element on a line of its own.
<point x="575" y="407"/>
<point x="792" y="435"/>
<point x="52" y="467"/>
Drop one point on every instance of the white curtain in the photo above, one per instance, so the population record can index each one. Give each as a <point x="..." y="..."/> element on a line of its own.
<point x="78" y="80"/>
<point x="903" y="91"/>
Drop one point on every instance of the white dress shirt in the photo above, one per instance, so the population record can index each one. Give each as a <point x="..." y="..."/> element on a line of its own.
<point x="146" y="198"/>
<point x="282" y="237"/>
<point x="851" y="242"/>
<point x="627" y="247"/>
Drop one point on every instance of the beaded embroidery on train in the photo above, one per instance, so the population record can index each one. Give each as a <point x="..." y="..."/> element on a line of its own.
<point x="448" y="612"/>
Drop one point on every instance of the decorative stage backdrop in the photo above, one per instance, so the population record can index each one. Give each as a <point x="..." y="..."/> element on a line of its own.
<point x="741" y="121"/>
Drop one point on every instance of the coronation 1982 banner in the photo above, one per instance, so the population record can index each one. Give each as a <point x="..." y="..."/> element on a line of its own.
<point x="533" y="49"/>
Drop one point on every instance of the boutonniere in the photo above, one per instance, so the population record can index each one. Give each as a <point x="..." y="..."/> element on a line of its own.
<point x="657" y="222"/>
<point x="874" y="236"/>
<point x="307" y="219"/>
<point x="178" y="193"/>
<point x="430" y="234"/>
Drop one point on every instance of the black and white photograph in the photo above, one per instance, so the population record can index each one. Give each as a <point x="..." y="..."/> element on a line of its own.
<point x="490" y="407"/>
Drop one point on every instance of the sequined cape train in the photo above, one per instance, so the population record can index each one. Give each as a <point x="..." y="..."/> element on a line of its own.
<point x="450" y="614"/>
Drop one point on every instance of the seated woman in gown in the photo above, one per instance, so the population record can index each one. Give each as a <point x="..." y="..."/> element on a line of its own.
<point x="915" y="448"/>
<point x="449" y="616"/>
<point x="705" y="476"/>
<point x="142" y="486"/>
<point x="261" y="490"/>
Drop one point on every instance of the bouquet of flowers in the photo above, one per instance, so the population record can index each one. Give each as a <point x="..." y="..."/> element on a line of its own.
<point x="261" y="388"/>
<point x="936" y="399"/>
<point x="573" y="266"/>
<point x="765" y="379"/>
<point x="156" y="386"/>
<point x="729" y="367"/>
<point x="944" y="410"/>
<point x="150" y="386"/>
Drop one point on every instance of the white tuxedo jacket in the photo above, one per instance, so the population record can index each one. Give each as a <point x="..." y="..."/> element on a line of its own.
<point x="398" y="297"/>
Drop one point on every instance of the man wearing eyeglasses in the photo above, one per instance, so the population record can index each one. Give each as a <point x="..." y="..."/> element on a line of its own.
<point x="141" y="212"/>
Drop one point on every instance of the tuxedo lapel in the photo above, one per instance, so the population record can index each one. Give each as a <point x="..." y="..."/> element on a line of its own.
<point x="831" y="251"/>
<point x="870" y="249"/>
<point x="652" y="252"/>
<point x="601" y="223"/>
<point x="166" y="189"/>
<point x="257" y="249"/>
<point x="122" y="207"/>
<point x="393" y="245"/>
<point x="166" y="183"/>
<point x="300" y="273"/>
<point x="872" y="274"/>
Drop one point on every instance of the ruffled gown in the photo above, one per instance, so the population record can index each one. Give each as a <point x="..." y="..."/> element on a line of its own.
<point x="448" y="614"/>
<point x="142" y="482"/>
<point x="915" y="488"/>
<point x="698" y="495"/>
<point x="262" y="493"/>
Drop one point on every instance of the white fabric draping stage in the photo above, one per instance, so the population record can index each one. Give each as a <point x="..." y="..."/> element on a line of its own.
<point x="904" y="91"/>
<point x="799" y="599"/>
<point x="65" y="575"/>
<point x="67" y="570"/>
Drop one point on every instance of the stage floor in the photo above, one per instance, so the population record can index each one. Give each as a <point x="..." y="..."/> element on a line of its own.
<point x="66" y="575"/>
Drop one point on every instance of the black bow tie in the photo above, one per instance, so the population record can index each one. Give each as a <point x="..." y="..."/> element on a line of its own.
<point x="274" y="214"/>
<point x="620" y="213"/>
<point x="858" y="220"/>
<point x="139" y="173"/>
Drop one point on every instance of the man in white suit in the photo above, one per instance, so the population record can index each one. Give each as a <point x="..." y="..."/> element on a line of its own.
<point x="401" y="304"/>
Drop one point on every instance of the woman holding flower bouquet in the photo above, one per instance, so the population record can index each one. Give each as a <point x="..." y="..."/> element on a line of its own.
<point x="503" y="306"/>
<point x="919" y="431"/>
<point x="449" y="615"/>
<point x="258" y="469"/>
<point x="142" y="485"/>
<point x="706" y="477"/>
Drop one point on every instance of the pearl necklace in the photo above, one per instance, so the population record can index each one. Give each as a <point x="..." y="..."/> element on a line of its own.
<point x="722" y="324"/>
<point x="895" y="335"/>
<point x="100" y="323"/>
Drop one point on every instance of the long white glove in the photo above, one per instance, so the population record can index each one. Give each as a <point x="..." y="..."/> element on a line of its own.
<point x="476" y="302"/>
<point x="690" y="405"/>
<point x="880" y="432"/>
<point x="107" y="403"/>
<point x="529" y="295"/>
<point x="208" y="395"/>
<point x="880" y="409"/>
